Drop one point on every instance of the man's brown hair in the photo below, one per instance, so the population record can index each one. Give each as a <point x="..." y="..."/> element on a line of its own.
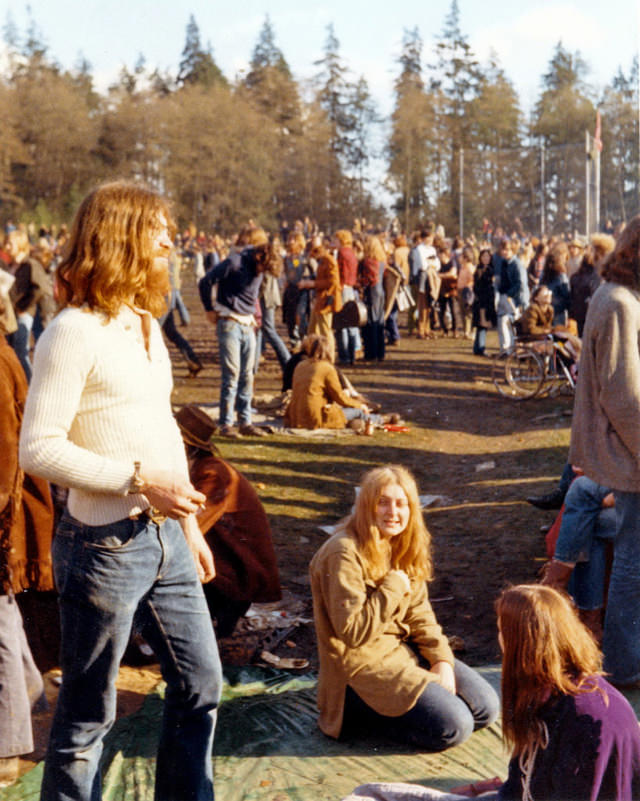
<point x="109" y="258"/>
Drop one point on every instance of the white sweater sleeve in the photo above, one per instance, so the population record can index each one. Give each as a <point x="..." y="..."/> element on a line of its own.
<point x="63" y="361"/>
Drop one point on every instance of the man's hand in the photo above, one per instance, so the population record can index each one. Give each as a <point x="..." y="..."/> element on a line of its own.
<point x="202" y="555"/>
<point x="171" y="494"/>
<point x="446" y="679"/>
<point x="212" y="317"/>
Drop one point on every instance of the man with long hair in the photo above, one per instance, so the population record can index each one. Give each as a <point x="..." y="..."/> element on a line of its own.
<point x="128" y="548"/>
<point x="237" y="280"/>
<point x="605" y="439"/>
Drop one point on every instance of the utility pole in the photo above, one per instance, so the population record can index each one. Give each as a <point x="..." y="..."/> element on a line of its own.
<point x="461" y="177"/>
<point x="543" y="213"/>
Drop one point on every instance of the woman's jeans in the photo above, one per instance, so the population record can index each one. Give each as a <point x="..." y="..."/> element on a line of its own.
<point x="348" y="338"/>
<point x="438" y="720"/>
<point x="109" y="577"/>
<point x="621" y="640"/>
<point x="480" y="341"/>
<point x="20" y="682"/>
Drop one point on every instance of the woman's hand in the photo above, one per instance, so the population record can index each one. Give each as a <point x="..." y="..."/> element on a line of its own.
<point x="170" y="493"/>
<point x="477" y="788"/>
<point x="446" y="678"/>
<point x="202" y="555"/>
<point x="404" y="577"/>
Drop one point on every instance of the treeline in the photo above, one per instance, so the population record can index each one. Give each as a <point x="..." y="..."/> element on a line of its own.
<point x="267" y="146"/>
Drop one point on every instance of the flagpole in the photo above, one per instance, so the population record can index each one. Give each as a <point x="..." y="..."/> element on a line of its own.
<point x="587" y="179"/>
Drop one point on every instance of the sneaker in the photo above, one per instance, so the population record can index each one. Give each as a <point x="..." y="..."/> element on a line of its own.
<point x="249" y="430"/>
<point x="228" y="431"/>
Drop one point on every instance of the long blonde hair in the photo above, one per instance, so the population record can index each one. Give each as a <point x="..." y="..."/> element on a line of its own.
<point x="409" y="551"/>
<point x="109" y="258"/>
<point x="546" y="651"/>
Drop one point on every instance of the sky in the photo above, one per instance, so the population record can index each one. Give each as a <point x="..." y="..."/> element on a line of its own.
<point x="112" y="33"/>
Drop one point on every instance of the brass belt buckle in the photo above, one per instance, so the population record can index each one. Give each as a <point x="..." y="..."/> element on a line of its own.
<point x="156" y="516"/>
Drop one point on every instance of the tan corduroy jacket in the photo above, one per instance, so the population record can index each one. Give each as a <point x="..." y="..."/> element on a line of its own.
<point x="605" y="436"/>
<point x="363" y="630"/>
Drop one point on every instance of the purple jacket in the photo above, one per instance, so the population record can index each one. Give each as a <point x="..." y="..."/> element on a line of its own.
<point x="593" y="751"/>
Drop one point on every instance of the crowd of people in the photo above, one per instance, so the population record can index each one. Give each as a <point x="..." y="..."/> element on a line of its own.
<point x="137" y="546"/>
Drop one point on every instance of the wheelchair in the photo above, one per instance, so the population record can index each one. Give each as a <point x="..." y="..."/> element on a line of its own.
<point x="534" y="367"/>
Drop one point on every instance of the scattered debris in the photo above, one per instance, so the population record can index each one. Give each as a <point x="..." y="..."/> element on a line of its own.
<point x="485" y="466"/>
<point x="284" y="662"/>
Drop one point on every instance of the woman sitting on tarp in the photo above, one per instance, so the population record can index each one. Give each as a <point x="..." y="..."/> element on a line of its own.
<point x="317" y="397"/>
<point x="386" y="668"/>
<point x="235" y="526"/>
<point x="572" y="734"/>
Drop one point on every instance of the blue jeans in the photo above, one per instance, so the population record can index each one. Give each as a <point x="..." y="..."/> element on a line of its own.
<point x="582" y="507"/>
<point x="391" y="325"/>
<point x="20" y="341"/>
<point x="587" y="580"/>
<point x="621" y="641"/>
<point x="348" y="339"/>
<point x="268" y="333"/>
<point x="585" y="526"/>
<point x="480" y="342"/>
<point x="109" y="577"/>
<point x="351" y="413"/>
<point x="439" y="719"/>
<point x="237" y="345"/>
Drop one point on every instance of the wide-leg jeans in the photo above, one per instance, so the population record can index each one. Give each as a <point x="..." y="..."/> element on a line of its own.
<point x="621" y="639"/>
<point x="109" y="577"/>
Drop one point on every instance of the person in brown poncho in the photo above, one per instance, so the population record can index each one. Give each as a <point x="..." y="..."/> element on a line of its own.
<point x="235" y="526"/>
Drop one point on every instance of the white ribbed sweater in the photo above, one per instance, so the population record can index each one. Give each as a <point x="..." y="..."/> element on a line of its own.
<point x="98" y="402"/>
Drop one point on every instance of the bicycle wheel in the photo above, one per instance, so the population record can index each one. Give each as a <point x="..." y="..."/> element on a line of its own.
<point x="524" y="373"/>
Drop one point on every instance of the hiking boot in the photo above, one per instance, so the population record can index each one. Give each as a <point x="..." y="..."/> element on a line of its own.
<point x="249" y="430"/>
<point x="556" y="574"/>
<point x="231" y="432"/>
<point x="552" y="500"/>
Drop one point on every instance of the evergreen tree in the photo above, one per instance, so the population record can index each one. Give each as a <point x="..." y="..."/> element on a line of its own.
<point x="620" y="162"/>
<point x="197" y="65"/>
<point x="497" y="179"/>
<point x="411" y="126"/>
<point x="562" y="115"/>
<point x="455" y="83"/>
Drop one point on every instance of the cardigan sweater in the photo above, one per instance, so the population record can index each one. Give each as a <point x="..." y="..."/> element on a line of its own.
<point x="593" y="750"/>
<point x="605" y="436"/>
<point x="98" y="402"/>
<point x="364" y="630"/>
